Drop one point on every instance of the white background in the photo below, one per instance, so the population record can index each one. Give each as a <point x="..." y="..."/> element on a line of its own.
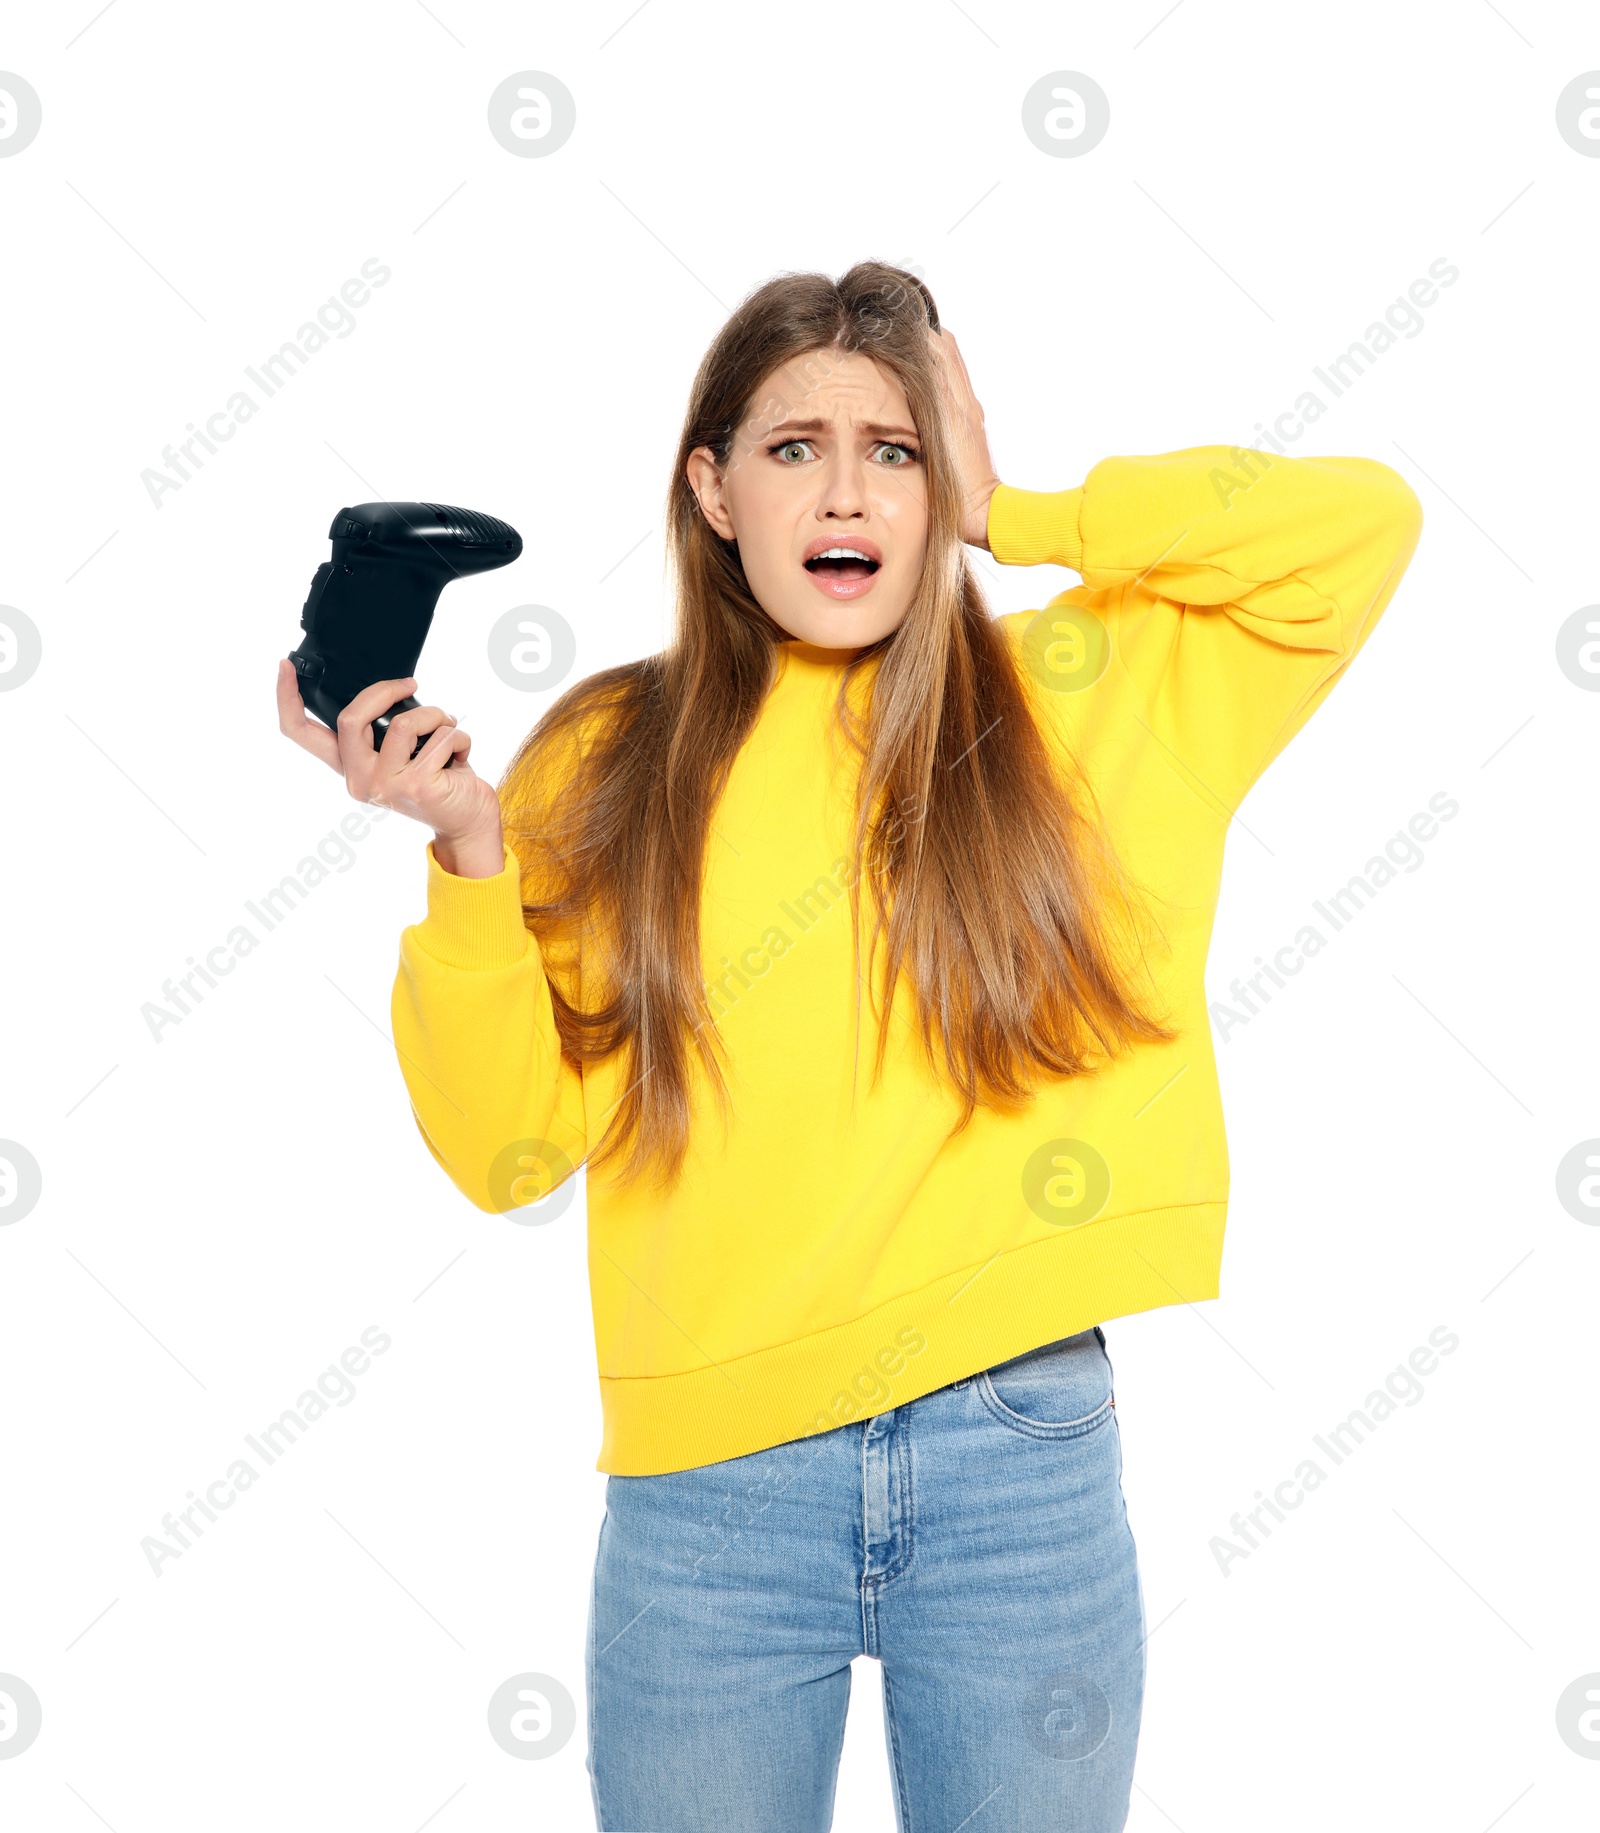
<point x="224" y="1211"/>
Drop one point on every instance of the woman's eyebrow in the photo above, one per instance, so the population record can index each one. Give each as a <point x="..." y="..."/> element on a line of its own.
<point x="875" y="428"/>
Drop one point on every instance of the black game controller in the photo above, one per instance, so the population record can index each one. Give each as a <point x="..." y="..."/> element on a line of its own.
<point x="370" y="606"/>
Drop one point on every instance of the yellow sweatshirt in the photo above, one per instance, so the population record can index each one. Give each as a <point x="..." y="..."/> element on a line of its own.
<point x="834" y="1253"/>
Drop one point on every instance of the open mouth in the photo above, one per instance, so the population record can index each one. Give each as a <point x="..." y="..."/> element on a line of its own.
<point x="843" y="563"/>
<point x="843" y="570"/>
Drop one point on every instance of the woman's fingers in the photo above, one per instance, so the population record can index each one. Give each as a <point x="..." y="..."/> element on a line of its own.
<point x="401" y="778"/>
<point x="437" y="773"/>
<point x="388" y="776"/>
<point x="296" y="723"/>
<point x="425" y="786"/>
<point x="435" y="755"/>
<point x="460" y="743"/>
<point x="952" y="347"/>
<point x="960" y="364"/>
<point x="357" y="717"/>
<point x="957" y="380"/>
<point x="357" y="754"/>
<point x="407" y="727"/>
<point x="974" y="463"/>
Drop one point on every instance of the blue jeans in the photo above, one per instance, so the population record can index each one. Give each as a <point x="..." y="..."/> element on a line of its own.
<point x="975" y="1541"/>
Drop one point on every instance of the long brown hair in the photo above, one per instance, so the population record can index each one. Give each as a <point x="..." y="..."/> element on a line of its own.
<point x="993" y="893"/>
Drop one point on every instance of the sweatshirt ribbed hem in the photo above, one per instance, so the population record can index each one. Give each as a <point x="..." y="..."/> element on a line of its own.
<point x="967" y="1321"/>
<point x="474" y="922"/>
<point x="1036" y="527"/>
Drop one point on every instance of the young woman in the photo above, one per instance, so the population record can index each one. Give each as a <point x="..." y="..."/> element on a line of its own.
<point x="856" y="945"/>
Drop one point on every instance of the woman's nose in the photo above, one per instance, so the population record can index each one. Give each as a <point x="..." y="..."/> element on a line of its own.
<point x="844" y="490"/>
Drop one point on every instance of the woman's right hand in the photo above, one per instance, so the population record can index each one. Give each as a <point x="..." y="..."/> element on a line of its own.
<point x="436" y="787"/>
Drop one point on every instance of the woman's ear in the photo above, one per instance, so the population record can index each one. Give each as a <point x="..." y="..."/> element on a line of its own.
<point x="705" y="480"/>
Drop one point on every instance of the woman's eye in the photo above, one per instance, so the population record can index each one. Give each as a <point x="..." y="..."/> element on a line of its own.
<point x="897" y="455"/>
<point x="789" y="450"/>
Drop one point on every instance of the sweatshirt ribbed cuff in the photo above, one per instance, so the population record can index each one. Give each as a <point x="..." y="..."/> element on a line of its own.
<point x="474" y="922"/>
<point x="1036" y="527"/>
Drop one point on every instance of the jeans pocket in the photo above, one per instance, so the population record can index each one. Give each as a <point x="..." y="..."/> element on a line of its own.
<point x="1062" y="1390"/>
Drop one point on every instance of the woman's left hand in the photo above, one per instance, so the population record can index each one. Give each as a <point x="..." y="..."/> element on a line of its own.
<point x="975" y="468"/>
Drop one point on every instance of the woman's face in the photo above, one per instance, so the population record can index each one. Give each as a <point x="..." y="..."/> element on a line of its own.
<point x="825" y="493"/>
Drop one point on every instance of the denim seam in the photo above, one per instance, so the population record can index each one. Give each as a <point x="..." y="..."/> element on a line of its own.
<point x="906" y="1527"/>
<point x="1138" y="1579"/>
<point x="868" y="1596"/>
<point x="594" y="1680"/>
<point x="902" y="1799"/>
<point x="1040" y="1428"/>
